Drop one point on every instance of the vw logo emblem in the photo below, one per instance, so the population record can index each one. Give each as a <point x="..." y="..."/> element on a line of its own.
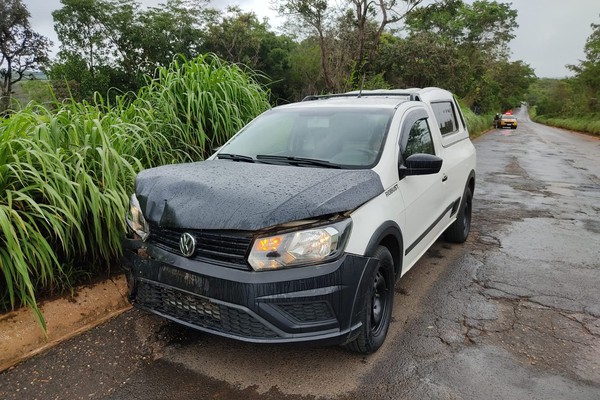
<point x="187" y="244"/>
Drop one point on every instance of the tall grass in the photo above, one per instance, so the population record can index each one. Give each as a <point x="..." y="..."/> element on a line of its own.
<point x="199" y="104"/>
<point x="588" y="124"/>
<point x="66" y="173"/>
<point x="34" y="205"/>
<point x="477" y="124"/>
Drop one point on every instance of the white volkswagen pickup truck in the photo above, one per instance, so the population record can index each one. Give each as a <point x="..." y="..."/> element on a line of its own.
<point x="297" y="229"/>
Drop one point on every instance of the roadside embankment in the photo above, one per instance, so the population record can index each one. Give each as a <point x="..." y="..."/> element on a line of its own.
<point x="21" y="336"/>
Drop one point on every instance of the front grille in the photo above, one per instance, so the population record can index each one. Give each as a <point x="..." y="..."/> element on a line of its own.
<point x="226" y="246"/>
<point x="308" y="312"/>
<point x="200" y="311"/>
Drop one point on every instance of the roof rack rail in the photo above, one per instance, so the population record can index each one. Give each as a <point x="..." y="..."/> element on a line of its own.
<point x="411" y="95"/>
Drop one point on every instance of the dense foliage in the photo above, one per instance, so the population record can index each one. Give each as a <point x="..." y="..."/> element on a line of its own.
<point x="326" y="48"/>
<point x="65" y="174"/>
<point x="572" y="103"/>
<point x="66" y="168"/>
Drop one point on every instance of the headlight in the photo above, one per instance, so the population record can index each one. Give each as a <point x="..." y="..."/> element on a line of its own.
<point x="298" y="248"/>
<point x="135" y="219"/>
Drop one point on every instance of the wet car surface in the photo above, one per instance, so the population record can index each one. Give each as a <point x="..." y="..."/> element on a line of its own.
<point x="298" y="228"/>
<point x="513" y="314"/>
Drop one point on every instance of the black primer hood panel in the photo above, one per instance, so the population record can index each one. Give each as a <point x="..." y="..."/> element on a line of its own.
<point x="223" y="194"/>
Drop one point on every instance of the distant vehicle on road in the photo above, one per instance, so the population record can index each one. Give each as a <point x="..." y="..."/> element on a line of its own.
<point x="507" y="121"/>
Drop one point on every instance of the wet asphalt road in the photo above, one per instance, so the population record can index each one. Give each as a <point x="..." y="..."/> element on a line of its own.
<point x="514" y="313"/>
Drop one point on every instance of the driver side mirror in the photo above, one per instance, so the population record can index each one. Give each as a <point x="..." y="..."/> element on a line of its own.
<point x="420" y="164"/>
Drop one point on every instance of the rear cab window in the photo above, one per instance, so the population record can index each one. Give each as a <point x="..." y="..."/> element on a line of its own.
<point x="450" y="122"/>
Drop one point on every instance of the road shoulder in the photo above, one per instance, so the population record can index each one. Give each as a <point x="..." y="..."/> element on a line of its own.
<point x="21" y="336"/>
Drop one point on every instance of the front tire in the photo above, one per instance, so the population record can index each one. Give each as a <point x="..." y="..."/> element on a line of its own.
<point x="458" y="232"/>
<point x="376" y="311"/>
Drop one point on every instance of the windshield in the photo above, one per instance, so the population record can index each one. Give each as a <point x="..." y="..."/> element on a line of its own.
<point x="508" y="116"/>
<point x="351" y="137"/>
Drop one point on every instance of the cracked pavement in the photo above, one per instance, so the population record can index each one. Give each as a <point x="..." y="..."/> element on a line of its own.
<point x="514" y="313"/>
<point x="517" y="314"/>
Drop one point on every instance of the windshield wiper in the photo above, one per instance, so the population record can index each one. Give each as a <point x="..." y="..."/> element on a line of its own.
<point x="297" y="161"/>
<point x="235" y="157"/>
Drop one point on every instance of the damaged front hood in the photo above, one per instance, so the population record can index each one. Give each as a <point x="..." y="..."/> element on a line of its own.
<point x="223" y="194"/>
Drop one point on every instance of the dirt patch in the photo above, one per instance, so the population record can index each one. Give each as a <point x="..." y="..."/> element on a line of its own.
<point x="21" y="336"/>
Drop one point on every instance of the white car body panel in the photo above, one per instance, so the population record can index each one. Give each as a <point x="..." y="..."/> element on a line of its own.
<point x="420" y="205"/>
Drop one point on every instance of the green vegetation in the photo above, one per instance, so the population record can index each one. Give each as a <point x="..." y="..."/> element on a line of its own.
<point x="460" y="46"/>
<point x="35" y="90"/>
<point x="477" y="124"/>
<point x="21" y="49"/>
<point x="65" y="174"/>
<point x="571" y="103"/>
<point x="464" y="48"/>
<point x="119" y="103"/>
<point x="588" y="124"/>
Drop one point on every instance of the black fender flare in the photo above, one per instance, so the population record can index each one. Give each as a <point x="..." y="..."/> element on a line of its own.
<point x="471" y="185"/>
<point x="389" y="235"/>
<point x="470" y="179"/>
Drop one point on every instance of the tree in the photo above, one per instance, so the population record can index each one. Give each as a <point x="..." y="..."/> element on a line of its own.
<point x="275" y="62"/>
<point x="315" y="16"/>
<point x="239" y="37"/>
<point x="573" y="98"/>
<point x="305" y="75"/>
<point x="86" y="55"/>
<point x="80" y="27"/>
<point x="21" y="49"/>
<point x="348" y="36"/>
<point x="422" y="60"/>
<point x="552" y="97"/>
<point x="120" y="43"/>
<point x="513" y="79"/>
<point x="366" y="12"/>
<point x="474" y="39"/>
<point x="236" y="36"/>
<point x="170" y="29"/>
<point x="487" y="26"/>
<point x="588" y="70"/>
<point x="72" y="68"/>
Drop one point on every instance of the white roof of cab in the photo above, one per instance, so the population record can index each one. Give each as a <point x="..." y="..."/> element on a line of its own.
<point x="382" y="98"/>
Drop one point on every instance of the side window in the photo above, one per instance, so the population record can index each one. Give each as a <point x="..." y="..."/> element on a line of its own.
<point x="446" y="117"/>
<point x="419" y="140"/>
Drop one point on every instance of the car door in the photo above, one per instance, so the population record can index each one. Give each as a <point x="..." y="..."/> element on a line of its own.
<point x="456" y="147"/>
<point x="424" y="199"/>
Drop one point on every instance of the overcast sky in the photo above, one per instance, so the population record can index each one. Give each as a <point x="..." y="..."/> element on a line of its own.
<point x="551" y="33"/>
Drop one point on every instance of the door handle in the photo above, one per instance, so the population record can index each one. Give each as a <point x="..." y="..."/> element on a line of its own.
<point x="444" y="178"/>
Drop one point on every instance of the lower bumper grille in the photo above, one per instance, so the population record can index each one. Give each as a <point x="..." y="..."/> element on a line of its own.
<point x="308" y="312"/>
<point x="200" y="311"/>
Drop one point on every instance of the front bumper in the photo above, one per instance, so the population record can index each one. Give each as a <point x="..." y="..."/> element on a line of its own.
<point x="315" y="303"/>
